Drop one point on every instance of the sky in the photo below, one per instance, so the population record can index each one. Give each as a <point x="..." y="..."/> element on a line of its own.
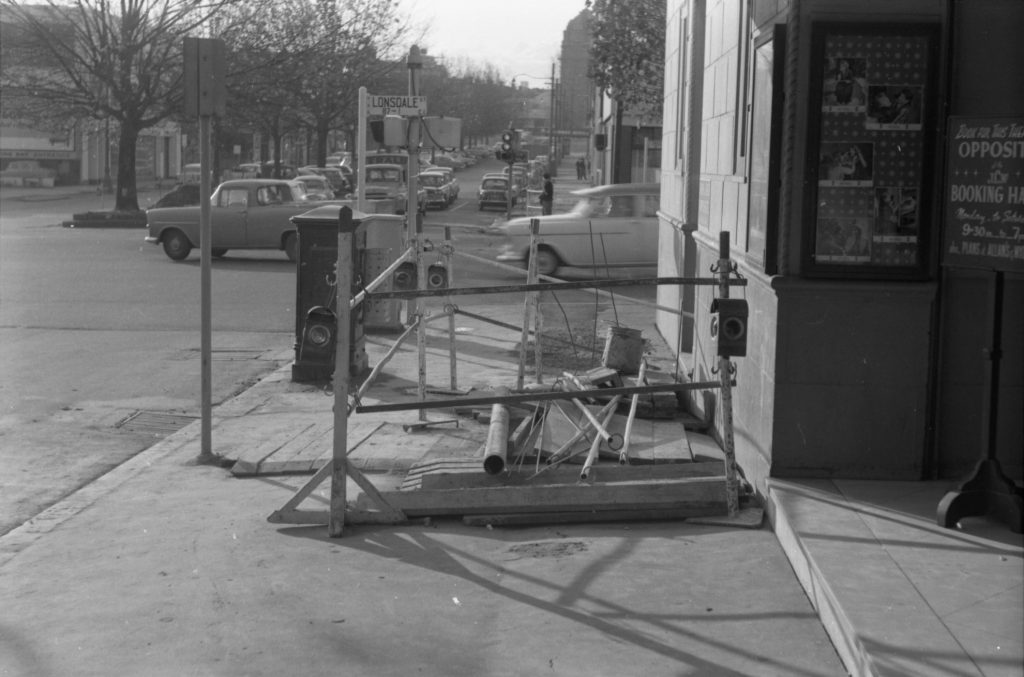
<point x="514" y="36"/>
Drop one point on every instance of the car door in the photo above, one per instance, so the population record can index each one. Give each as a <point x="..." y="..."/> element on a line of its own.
<point x="228" y="217"/>
<point x="616" y="229"/>
<point x="646" y="228"/>
<point x="271" y="216"/>
<point x="630" y="235"/>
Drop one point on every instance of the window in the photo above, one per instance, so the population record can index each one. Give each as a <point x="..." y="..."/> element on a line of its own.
<point x="684" y="78"/>
<point x="233" y="197"/>
<point x="268" y="195"/>
<point x="621" y="205"/>
<point x="765" y="147"/>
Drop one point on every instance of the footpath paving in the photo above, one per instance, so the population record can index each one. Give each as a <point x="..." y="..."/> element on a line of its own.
<point x="167" y="567"/>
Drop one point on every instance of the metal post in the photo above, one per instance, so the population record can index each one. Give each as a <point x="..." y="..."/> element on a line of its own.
<point x="415" y="63"/>
<point x="551" y="125"/>
<point x="361" y="153"/>
<point x="205" y="322"/>
<point x="529" y="306"/>
<point x="452" y="361"/>
<point x="725" y="369"/>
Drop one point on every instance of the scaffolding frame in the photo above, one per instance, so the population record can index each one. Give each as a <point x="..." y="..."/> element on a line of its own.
<point x="339" y="468"/>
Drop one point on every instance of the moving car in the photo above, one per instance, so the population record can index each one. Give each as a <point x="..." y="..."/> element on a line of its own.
<point x="493" y="192"/>
<point x="610" y="226"/>
<point x="244" y="214"/>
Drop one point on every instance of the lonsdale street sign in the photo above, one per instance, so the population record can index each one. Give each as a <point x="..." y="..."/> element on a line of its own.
<point x="397" y="104"/>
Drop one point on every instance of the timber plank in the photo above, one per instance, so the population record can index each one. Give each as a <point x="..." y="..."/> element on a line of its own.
<point x="691" y="511"/>
<point x="250" y="446"/>
<point x="601" y="472"/>
<point x="649" y="494"/>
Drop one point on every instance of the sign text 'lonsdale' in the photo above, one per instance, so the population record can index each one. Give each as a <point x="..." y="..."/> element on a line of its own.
<point x="396" y="104"/>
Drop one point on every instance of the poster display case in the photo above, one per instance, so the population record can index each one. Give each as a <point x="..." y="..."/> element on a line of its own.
<point x="870" y="153"/>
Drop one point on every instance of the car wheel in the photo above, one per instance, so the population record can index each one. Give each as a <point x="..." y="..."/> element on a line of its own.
<point x="291" y="246"/>
<point x="547" y="261"/>
<point x="176" y="245"/>
<point x="219" y="252"/>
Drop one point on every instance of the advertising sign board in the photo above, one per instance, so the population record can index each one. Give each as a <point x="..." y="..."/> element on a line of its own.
<point x="984" y="198"/>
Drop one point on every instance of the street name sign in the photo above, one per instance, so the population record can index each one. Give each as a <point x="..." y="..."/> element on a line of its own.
<point x="396" y="104"/>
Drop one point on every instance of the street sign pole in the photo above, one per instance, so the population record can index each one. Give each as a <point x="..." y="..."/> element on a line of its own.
<point x="204" y="97"/>
<point x="415" y="63"/>
<point x="361" y="153"/>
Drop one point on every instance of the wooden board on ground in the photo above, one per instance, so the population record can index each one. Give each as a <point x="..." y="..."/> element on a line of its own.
<point x="695" y="496"/>
<point x="464" y="473"/>
<point x="392" y="449"/>
<point x="294" y="448"/>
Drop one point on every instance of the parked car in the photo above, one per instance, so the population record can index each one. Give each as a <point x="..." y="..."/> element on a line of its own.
<point x="27" y="172"/>
<point x="610" y="226"/>
<point x="273" y="170"/>
<point x="246" y="170"/>
<point x="493" y="192"/>
<point x="317" y="187"/>
<point x="339" y="160"/>
<point x="340" y="185"/>
<point x="387" y="182"/>
<point x="191" y="174"/>
<point x="244" y="214"/>
<point x="438" y="191"/>
<point x="519" y="179"/>
<point x="453" y="183"/>
<point x="182" y="195"/>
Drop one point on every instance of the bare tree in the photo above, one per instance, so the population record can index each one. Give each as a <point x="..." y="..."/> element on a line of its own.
<point x="101" y="59"/>
<point x="300" y="66"/>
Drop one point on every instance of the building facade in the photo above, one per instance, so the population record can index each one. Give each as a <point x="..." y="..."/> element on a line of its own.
<point x="866" y="160"/>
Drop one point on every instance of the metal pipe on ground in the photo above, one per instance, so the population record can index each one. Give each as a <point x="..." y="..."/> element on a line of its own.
<point x="496" y="446"/>
<point x="561" y="454"/>
<point x="640" y="377"/>
<point x="592" y="454"/>
<point x="613" y="440"/>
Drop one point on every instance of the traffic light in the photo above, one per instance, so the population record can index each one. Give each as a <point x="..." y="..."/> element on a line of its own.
<point x="508" y="140"/>
<point x="318" y="336"/>
<point x="729" y="326"/>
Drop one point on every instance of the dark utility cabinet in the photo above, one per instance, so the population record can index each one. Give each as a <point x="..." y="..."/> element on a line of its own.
<point x="316" y="323"/>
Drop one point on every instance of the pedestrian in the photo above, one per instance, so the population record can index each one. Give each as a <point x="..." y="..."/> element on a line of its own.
<point x="547" y="195"/>
<point x="579" y="168"/>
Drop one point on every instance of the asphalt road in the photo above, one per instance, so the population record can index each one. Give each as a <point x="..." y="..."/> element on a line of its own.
<point x="100" y="334"/>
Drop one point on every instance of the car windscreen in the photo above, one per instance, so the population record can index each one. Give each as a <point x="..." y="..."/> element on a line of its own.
<point x="494" y="184"/>
<point x="383" y="175"/>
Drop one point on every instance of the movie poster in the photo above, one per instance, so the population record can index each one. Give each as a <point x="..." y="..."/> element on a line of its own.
<point x="844" y="88"/>
<point x="846" y="164"/>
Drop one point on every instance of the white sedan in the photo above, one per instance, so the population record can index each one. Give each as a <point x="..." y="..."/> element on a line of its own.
<point x="611" y="226"/>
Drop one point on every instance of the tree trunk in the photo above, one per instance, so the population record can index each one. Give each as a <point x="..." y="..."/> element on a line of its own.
<point x="127" y="192"/>
<point x="321" y="144"/>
